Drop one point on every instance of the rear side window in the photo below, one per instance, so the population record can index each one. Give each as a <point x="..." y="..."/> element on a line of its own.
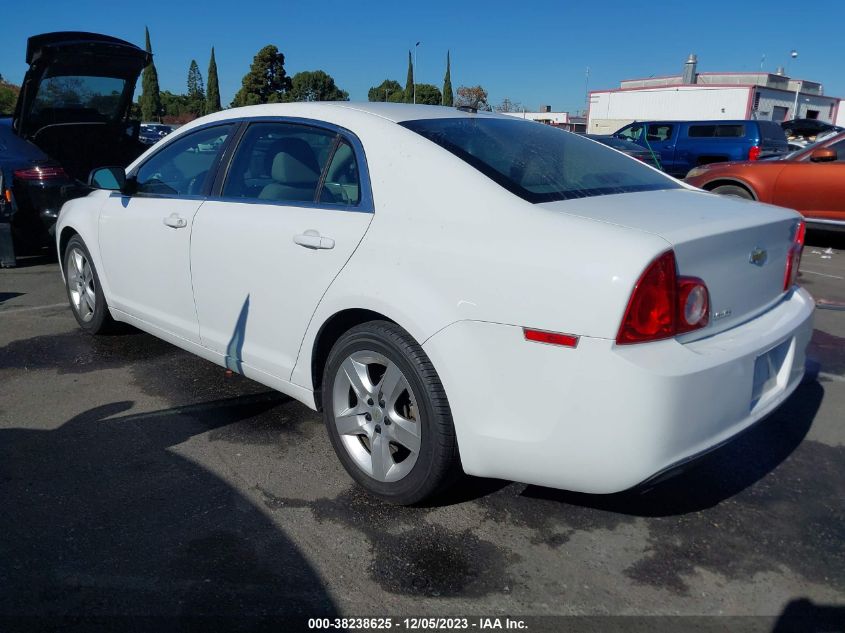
<point x="181" y="167"/>
<point x="281" y="162"/>
<point x="717" y="131"/>
<point x="342" y="184"/>
<point x="659" y="132"/>
<point x="771" y="131"/>
<point x="537" y="162"/>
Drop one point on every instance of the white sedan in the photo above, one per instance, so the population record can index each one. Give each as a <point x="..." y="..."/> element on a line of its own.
<point x="453" y="290"/>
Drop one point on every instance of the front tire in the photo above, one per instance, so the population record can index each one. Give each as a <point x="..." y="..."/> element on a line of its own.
<point x="387" y="414"/>
<point x="84" y="292"/>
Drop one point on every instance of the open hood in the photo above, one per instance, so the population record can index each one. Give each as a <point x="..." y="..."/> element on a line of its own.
<point x="77" y="77"/>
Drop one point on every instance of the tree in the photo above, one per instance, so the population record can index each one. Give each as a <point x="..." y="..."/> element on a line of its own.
<point x="473" y="97"/>
<point x="448" y="95"/>
<point x="196" y="89"/>
<point x="385" y="90"/>
<point x="315" y="85"/>
<point x="8" y="96"/>
<point x="428" y="94"/>
<point x="212" y="95"/>
<point x="409" y="82"/>
<point x="177" y="108"/>
<point x="266" y="81"/>
<point x="509" y="106"/>
<point x="150" y="99"/>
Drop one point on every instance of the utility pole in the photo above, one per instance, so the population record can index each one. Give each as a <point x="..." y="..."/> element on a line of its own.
<point x="798" y="86"/>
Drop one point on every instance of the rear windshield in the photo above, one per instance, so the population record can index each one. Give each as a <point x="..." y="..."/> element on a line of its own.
<point x="717" y="131"/>
<point x="98" y="97"/>
<point x="537" y="162"/>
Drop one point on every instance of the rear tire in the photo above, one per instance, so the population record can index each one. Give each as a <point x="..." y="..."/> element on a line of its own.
<point x="84" y="292"/>
<point x="387" y="414"/>
<point x="733" y="190"/>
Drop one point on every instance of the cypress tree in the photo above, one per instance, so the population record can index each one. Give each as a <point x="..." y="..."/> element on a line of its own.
<point x="212" y="95"/>
<point x="196" y="89"/>
<point x="448" y="95"/>
<point x="409" y="83"/>
<point x="150" y="97"/>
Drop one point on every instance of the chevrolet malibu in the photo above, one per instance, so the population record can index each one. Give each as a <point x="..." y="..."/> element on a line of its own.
<point x="452" y="289"/>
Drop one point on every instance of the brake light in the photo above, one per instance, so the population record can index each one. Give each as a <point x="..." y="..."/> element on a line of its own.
<point x="754" y="153"/>
<point x="663" y="304"/>
<point x="793" y="256"/>
<point x="40" y="173"/>
<point x="551" y="338"/>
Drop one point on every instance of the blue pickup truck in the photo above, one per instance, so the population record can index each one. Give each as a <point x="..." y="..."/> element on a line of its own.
<point x="682" y="145"/>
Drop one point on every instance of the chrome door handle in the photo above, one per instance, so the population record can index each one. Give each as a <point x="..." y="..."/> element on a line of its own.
<point x="313" y="240"/>
<point x="174" y="221"/>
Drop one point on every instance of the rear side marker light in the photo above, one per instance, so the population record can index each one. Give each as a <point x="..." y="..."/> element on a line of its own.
<point x="550" y="338"/>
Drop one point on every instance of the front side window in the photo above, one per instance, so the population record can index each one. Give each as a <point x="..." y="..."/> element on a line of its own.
<point x="182" y="166"/>
<point x="631" y="133"/>
<point x="839" y="148"/>
<point x="279" y="162"/>
<point x="537" y="162"/>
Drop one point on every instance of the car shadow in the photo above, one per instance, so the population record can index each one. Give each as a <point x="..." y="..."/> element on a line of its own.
<point x="804" y="616"/>
<point x="103" y="516"/>
<point x="717" y="476"/>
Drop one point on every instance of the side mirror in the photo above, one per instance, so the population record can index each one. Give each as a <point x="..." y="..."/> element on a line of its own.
<point x="110" y="178"/>
<point x="823" y="155"/>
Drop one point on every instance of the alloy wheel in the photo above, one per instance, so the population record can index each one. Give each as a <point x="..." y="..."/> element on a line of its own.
<point x="80" y="284"/>
<point x="376" y="415"/>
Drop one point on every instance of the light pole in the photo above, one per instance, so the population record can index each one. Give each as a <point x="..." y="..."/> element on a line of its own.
<point x="414" y="75"/>
<point x="794" y="55"/>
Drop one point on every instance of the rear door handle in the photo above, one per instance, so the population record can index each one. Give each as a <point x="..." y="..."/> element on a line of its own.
<point x="174" y="221"/>
<point x="313" y="240"/>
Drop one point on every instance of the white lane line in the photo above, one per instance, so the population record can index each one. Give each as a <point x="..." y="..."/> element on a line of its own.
<point x="16" y="310"/>
<point x="813" y="272"/>
<point x="833" y="377"/>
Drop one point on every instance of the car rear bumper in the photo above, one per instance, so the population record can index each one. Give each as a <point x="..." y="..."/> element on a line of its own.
<point x="825" y="225"/>
<point x="602" y="418"/>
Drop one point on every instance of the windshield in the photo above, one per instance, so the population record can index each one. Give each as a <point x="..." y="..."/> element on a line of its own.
<point x="98" y="97"/>
<point x="539" y="163"/>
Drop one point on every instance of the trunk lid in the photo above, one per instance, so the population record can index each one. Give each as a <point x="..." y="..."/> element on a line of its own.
<point x="77" y="77"/>
<point x="738" y="247"/>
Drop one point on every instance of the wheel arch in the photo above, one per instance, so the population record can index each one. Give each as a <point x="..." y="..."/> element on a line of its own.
<point x="710" y="186"/>
<point x="330" y="331"/>
<point x="64" y="237"/>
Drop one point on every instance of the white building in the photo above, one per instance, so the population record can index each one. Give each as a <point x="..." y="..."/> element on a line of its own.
<point x="556" y="119"/>
<point x="708" y="96"/>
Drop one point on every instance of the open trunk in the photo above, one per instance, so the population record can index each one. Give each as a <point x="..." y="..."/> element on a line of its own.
<point x="75" y="99"/>
<point x="737" y="247"/>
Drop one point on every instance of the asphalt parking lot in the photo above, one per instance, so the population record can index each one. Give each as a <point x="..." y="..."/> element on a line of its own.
<point x="136" y="479"/>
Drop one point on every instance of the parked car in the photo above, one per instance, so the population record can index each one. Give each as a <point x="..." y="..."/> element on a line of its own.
<point x="153" y="132"/>
<point x="451" y="289"/>
<point x="682" y="145"/>
<point x="72" y="114"/>
<point x="803" y="132"/>
<point x="810" y="180"/>
<point x="628" y="147"/>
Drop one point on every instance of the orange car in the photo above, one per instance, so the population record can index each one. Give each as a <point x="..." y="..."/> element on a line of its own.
<point x="810" y="180"/>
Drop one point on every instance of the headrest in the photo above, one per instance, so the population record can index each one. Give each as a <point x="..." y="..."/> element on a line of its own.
<point x="294" y="162"/>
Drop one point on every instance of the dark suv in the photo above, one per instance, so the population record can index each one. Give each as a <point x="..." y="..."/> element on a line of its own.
<point x="72" y="115"/>
<point x="682" y="145"/>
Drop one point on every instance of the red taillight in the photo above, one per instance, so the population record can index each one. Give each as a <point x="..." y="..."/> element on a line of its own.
<point x="663" y="304"/>
<point x="552" y="338"/>
<point x="793" y="256"/>
<point x="40" y="173"/>
<point x="754" y="153"/>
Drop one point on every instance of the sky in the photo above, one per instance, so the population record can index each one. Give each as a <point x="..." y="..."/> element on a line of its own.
<point x="531" y="53"/>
